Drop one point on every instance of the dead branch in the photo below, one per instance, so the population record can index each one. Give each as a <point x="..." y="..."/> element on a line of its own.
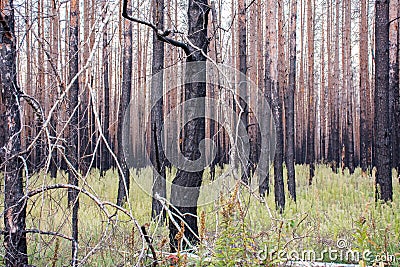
<point x="148" y="240"/>
<point x="162" y="35"/>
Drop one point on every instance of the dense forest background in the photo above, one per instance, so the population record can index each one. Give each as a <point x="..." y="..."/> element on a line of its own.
<point x="78" y="78"/>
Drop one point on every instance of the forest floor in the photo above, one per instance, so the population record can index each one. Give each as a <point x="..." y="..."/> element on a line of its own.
<point x="334" y="220"/>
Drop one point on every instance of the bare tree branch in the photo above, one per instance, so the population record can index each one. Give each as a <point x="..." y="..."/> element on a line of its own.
<point x="393" y="20"/>
<point x="161" y="34"/>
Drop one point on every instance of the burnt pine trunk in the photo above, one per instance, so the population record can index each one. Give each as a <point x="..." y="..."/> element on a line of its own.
<point x="214" y="134"/>
<point x="328" y="150"/>
<point x="54" y="53"/>
<point x="311" y="98"/>
<point x="264" y="181"/>
<point x="243" y="101"/>
<point x="73" y="152"/>
<point x="382" y="158"/>
<point x="157" y="120"/>
<point x="290" y="142"/>
<point x="185" y="187"/>
<point x="394" y="82"/>
<point x="14" y="210"/>
<point x="335" y="145"/>
<point x="123" y="185"/>
<point x="349" y="131"/>
<point x="364" y="94"/>
<point x="397" y="101"/>
<point x="279" y="187"/>
<point x="105" y="159"/>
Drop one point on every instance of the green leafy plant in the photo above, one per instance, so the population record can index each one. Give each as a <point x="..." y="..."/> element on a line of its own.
<point x="234" y="245"/>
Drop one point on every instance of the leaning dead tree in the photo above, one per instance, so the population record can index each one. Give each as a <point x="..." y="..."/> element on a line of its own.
<point x="14" y="209"/>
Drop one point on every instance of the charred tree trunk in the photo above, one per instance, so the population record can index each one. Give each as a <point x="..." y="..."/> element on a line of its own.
<point x="14" y="209"/>
<point x="301" y="108"/>
<point x="335" y="131"/>
<point x="244" y="99"/>
<point x="311" y="98"/>
<point x="73" y="153"/>
<point x="290" y="142"/>
<point x="322" y="134"/>
<point x="394" y="82"/>
<point x="382" y="155"/>
<point x="329" y="77"/>
<point x="264" y="181"/>
<point x="123" y="173"/>
<point x="365" y="135"/>
<point x="186" y="185"/>
<point x="54" y="54"/>
<point x="215" y="132"/>
<point x="279" y="187"/>
<point x="105" y="160"/>
<point x="157" y="112"/>
<point x="349" y="88"/>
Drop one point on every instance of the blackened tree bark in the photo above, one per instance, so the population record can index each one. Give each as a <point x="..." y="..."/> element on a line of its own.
<point x="186" y="185"/>
<point x="54" y="52"/>
<point x="290" y="143"/>
<point x="243" y="101"/>
<point x="349" y="88"/>
<point x="124" y="182"/>
<point x="14" y="209"/>
<point x="365" y="135"/>
<point x="329" y="112"/>
<point x="105" y="164"/>
<point x="73" y="107"/>
<point x="335" y="144"/>
<point x="382" y="155"/>
<point x="157" y="120"/>
<point x="279" y="187"/>
<point x="311" y="97"/>
<point x="214" y="134"/>
<point x="269" y="30"/>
